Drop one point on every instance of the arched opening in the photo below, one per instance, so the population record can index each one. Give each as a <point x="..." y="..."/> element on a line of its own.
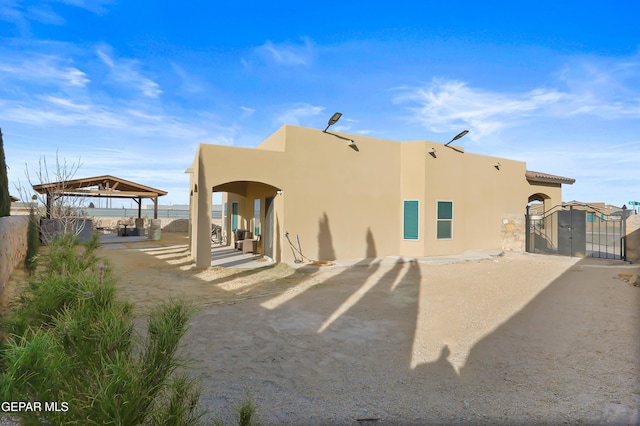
<point x="248" y="212"/>
<point x="539" y="204"/>
<point x="540" y="224"/>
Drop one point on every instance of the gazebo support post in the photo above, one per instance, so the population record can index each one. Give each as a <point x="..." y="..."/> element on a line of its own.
<point x="155" y="207"/>
<point x="139" y="201"/>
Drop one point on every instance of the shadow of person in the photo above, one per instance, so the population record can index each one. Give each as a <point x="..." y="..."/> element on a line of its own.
<point x="439" y="375"/>
<point x="442" y="367"/>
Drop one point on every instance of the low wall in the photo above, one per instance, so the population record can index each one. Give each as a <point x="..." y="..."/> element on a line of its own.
<point x="633" y="238"/>
<point x="166" y="224"/>
<point x="513" y="232"/>
<point x="13" y="245"/>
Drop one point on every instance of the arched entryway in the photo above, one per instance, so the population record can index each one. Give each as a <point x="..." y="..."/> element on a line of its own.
<point x="250" y="207"/>
<point x="539" y="203"/>
<point x="540" y="224"/>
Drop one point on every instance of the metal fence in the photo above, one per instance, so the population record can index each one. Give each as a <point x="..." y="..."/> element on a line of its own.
<point x="581" y="231"/>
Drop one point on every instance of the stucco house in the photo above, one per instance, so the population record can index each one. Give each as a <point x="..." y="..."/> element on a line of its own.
<point x="352" y="196"/>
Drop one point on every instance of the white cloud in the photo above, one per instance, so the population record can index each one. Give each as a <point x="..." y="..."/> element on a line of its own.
<point x="41" y="69"/>
<point x="48" y="110"/>
<point x="448" y="105"/>
<point x="11" y="11"/>
<point x="126" y="71"/>
<point x="95" y="6"/>
<point x="286" y="53"/>
<point x="105" y="58"/>
<point x="45" y="15"/>
<point x="57" y="112"/>
<point x="65" y="103"/>
<point x="246" y="112"/>
<point x="190" y="84"/>
<point x="14" y="12"/>
<point x="603" y="173"/>
<point x="20" y="14"/>
<point x="297" y="114"/>
<point x="602" y="87"/>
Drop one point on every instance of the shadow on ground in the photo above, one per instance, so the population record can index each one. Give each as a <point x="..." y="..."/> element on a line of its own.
<point x="337" y="345"/>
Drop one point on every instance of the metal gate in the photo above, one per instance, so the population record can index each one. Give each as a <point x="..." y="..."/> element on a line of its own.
<point x="576" y="230"/>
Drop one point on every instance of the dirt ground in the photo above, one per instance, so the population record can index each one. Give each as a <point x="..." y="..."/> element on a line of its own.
<point x="517" y="339"/>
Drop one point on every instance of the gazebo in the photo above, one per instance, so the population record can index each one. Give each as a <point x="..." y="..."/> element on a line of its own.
<point x="99" y="187"/>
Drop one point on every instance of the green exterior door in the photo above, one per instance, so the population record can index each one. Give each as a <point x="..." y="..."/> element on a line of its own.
<point x="234" y="216"/>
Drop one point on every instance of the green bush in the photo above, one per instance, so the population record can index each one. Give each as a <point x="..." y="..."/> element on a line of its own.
<point x="5" y="198"/>
<point x="71" y="341"/>
<point x="246" y="413"/>
<point x="33" y="244"/>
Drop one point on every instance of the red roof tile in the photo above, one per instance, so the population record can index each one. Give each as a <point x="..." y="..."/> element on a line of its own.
<point x="547" y="178"/>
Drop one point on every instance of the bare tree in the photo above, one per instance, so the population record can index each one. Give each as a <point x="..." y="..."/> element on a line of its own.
<point x="61" y="206"/>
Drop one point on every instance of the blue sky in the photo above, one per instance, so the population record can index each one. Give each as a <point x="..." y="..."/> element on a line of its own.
<point x="130" y="88"/>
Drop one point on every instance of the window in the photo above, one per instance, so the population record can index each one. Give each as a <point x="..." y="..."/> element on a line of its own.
<point x="445" y="220"/>
<point x="592" y="217"/>
<point x="411" y="225"/>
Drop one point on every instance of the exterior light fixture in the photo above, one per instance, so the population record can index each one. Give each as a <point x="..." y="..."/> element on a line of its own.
<point x="333" y="120"/>
<point x="456" y="137"/>
<point x="497" y="165"/>
<point x="432" y="152"/>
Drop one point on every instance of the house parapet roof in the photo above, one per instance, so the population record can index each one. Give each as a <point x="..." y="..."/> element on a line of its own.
<point x="547" y="178"/>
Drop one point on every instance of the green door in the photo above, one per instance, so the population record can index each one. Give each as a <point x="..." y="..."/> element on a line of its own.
<point x="234" y="216"/>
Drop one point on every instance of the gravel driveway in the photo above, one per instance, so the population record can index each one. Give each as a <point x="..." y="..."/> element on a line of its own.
<point x="518" y="339"/>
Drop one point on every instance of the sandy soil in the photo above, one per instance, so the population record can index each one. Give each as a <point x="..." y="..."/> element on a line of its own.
<point x="518" y="339"/>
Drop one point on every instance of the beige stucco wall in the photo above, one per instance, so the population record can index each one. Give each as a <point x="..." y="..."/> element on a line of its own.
<point x="13" y="245"/>
<point x="633" y="238"/>
<point x="341" y="203"/>
<point x="344" y="204"/>
<point x="413" y="184"/>
<point x="330" y="193"/>
<point x="481" y="194"/>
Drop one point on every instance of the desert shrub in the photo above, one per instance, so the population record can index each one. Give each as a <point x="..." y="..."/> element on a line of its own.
<point x="246" y="413"/>
<point x="33" y="244"/>
<point x="69" y="275"/>
<point x="71" y="341"/>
